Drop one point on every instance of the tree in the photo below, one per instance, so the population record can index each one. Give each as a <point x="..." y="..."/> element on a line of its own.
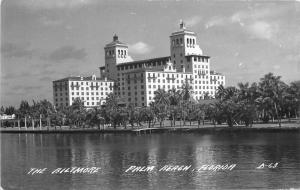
<point x="198" y="114"/>
<point x="161" y="105"/>
<point x="273" y="95"/>
<point x="147" y="115"/>
<point x="227" y="105"/>
<point x="114" y="111"/>
<point x="59" y="117"/>
<point x="246" y="101"/>
<point x="160" y="111"/>
<point x="46" y="109"/>
<point x="24" y="111"/>
<point x="133" y="115"/>
<point x="2" y="110"/>
<point x="94" y="117"/>
<point x="176" y="103"/>
<point x="76" y="113"/>
<point x="293" y="99"/>
<point x="10" y="110"/>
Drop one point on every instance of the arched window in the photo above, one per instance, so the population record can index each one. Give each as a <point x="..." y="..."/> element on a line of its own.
<point x="193" y="41"/>
<point x="177" y="41"/>
<point x="118" y="51"/>
<point x="187" y="41"/>
<point x="180" y="40"/>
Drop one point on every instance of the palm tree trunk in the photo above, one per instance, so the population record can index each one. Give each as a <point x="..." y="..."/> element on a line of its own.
<point x="25" y="123"/>
<point x="277" y="114"/>
<point x="32" y="124"/>
<point x="40" y="122"/>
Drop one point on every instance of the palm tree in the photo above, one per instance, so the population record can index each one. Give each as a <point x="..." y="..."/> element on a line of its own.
<point x="227" y="105"/>
<point x="76" y="113"/>
<point x="246" y="100"/>
<point x="113" y="110"/>
<point x="176" y="103"/>
<point x="24" y="111"/>
<point x="46" y="109"/>
<point x="274" y="94"/>
<point x="133" y="115"/>
<point x="294" y="98"/>
<point x="161" y="97"/>
<point x="147" y="114"/>
<point x="199" y="114"/>
<point x="187" y="91"/>
<point x="160" y="111"/>
<point x="161" y="104"/>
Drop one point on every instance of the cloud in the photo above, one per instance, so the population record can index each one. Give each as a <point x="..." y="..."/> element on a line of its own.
<point x="216" y="21"/>
<point x="12" y="50"/>
<point x="47" y="21"/>
<point x="242" y="17"/>
<point x="263" y="30"/>
<point x="54" y="4"/>
<point x="66" y="53"/>
<point x="140" y="48"/>
<point x="192" y="21"/>
<point x="268" y="23"/>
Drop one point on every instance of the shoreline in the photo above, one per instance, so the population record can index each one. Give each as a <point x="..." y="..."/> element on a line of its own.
<point x="287" y="127"/>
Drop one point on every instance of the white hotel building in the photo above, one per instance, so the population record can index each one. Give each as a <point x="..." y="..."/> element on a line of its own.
<point x="91" y="90"/>
<point x="136" y="81"/>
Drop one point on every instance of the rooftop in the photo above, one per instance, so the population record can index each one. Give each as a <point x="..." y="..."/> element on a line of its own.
<point x="215" y="73"/>
<point x="146" y="61"/>
<point x="115" y="42"/>
<point x="81" y="78"/>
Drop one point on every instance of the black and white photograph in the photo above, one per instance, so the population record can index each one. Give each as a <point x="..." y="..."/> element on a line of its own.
<point x="150" y="94"/>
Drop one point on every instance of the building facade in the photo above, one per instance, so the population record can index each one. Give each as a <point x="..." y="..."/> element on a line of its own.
<point x="91" y="90"/>
<point x="135" y="82"/>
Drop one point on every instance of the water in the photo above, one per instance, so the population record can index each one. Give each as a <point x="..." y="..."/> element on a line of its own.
<point x="115" y="153"/>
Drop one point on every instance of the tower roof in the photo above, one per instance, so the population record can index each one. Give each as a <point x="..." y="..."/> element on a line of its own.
<point x="182" y="29"/>
<point x="115" y="42"/>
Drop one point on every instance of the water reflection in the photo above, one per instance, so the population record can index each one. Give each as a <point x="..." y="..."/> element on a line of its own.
<point x="114" y="153"/>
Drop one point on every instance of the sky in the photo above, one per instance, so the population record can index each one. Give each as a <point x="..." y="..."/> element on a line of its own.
<point x="43" y="40"/>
